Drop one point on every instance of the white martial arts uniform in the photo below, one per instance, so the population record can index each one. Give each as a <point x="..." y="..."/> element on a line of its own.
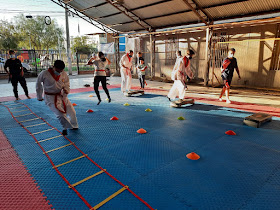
<point x="56" y="91"/>
<point x="126" y="73"/>
<point x="181" y="68"/>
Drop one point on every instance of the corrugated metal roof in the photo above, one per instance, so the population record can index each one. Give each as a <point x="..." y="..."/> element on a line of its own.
<point x="135" y="15"/>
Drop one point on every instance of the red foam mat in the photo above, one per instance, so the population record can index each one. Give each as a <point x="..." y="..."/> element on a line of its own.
<point x="17" y="188"/>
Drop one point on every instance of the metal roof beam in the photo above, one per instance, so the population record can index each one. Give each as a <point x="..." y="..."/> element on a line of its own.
<point x="185" y="11"/>
<point x="105" y="28"/>
<point x="249" y="15"/>
<point x="206" y="14"/>
<point x="195" y="11"/>
<point x="223" y="4"/>
<point x="136" y="8"/>
<point x="95" y="6"/>
<point x="132" y="16"/>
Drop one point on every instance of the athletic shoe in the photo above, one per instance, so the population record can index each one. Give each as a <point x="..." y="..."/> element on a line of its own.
<point x="220" y="99"/>
<point x="64" y="133"/>
<point x="228" y="101"/>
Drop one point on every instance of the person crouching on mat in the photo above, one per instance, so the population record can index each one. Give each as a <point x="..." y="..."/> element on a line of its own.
<point x="56" y="87"/>
<point x="141" y="68"/>
<point x="100" y="64"/>
<point x="227" y="69"/>
<point x="179" y="72"/>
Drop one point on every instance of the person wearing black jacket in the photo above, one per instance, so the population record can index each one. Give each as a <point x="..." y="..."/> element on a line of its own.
<point x="16" y="74"/>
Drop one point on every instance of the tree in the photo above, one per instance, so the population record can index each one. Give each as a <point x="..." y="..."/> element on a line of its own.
<point x="80" y="45"/>
<point x="41" y="36"/>
<point x="9" y="38"/>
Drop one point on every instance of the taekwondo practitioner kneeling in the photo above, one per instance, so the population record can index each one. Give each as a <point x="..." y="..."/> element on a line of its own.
<point x="56" y="87"/>
<point x="179" y="72"/>
<point x="126" y="65"/>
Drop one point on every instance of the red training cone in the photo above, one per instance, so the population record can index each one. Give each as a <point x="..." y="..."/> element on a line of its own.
<point x="89" y="110"/>
<point x="74" y="104"/>
<point x="114" y="118"/>
<point x="230" y="132"/>
<point x="193" y="156"/>
<point x="142" y="131"/>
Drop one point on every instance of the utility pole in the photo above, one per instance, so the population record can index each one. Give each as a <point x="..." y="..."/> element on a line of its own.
<point x="68" y="41"/>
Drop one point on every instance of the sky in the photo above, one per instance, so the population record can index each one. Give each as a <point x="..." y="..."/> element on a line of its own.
<point x="12" y="8"/>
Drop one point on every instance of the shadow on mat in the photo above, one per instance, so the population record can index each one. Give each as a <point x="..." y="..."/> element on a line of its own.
<point x="147" y="96"/>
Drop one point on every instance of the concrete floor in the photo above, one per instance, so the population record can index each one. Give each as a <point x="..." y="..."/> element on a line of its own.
<point x="255" y="96"/>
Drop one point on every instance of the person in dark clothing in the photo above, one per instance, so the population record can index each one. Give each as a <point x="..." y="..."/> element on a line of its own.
<point x="100" y="64"/>
<point x="16" y="74"/>
<point x="227" y="69"/>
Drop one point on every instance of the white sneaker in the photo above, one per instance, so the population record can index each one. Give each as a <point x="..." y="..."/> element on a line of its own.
<point x="228" y="101"/>
<point x="220" y="99"/>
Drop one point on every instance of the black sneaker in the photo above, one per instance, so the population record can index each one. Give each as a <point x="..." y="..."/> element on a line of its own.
<point x="64" y="133"/>
<point x="109" y="100"/>
<point x="168" y="98"/>
<point x="75" y="129"/>
<point x="98" y="102"/>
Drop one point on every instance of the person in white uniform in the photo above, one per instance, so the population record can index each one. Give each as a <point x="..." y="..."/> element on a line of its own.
<point x="126" y="65"/>
<point x="100" y="64"/>
<point x="179" y="72"/>
<point x="56" y="87"/>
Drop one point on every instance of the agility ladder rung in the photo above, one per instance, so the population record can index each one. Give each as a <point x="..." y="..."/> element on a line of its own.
<point x="42" y="131"/>
<point x="110" y="197"/>
<point x="23" y="115"/>
<point x="59" y="148"/>
<point x="70" y="161"/>
<point x="85" y="179"/>
<point x="20" y="107"/>
<point x="34" y="125"/>
<point x="37" y="118"/>
<point x="49" y="138"/>
<point x="21" y="111"/>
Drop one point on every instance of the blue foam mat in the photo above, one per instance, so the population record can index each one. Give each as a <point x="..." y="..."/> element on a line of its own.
<point x="234" y="171"/>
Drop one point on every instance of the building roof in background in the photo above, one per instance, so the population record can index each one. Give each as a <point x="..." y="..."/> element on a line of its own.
<point x="124" y="16"/>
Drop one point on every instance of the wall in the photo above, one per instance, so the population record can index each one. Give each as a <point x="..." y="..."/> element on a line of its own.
<point x="254" y="57"/>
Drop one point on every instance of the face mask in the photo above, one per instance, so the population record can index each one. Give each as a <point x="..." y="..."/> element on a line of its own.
<point x="130" y="56"/>
<point x="56" y="73"/>
<point x="230" y="56"/>
<point x="13" y="56"/>
<point x="190" y="58"/>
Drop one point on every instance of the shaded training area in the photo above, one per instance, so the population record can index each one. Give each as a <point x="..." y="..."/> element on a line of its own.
<point x="234" y="171"/>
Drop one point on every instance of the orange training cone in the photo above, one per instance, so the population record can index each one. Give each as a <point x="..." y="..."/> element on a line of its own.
<point x="232" y="133"/>
<point x="193" y="156"/>
<point x="114" y="118"/>
<point x="142" y="131"/>
<point x="74" y="104"/>
<point x="89" y="110"/>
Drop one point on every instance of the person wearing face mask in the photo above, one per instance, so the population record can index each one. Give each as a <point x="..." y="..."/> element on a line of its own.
<point x="100" y="64"/>
<point x="227" y="69"/>
<point x="16" y="74"/>
<point x="126" y="65"/>
<point x="179" y="72"/>
<point x="56" y="87"/>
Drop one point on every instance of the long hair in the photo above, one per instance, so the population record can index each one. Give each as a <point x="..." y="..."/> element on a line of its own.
<point x="101" y="56"/>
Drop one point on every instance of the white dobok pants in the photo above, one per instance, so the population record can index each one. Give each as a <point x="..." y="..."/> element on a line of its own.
<point x="178" y="87"/>
<point x="126" y="79"/>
